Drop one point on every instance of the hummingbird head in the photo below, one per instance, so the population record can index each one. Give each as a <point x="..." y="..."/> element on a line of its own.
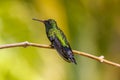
<point x="50" y="23"/>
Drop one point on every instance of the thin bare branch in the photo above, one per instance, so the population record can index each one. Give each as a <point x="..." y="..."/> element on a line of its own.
<point x="26" y="44"/>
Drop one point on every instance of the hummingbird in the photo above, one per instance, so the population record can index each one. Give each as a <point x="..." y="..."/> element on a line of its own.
<point x="58" y="40"/>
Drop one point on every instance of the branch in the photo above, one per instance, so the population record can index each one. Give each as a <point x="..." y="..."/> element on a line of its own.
<point x="26" y="44"/>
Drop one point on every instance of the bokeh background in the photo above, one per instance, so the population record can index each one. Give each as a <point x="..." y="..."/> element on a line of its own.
<point x="91" y="26"/>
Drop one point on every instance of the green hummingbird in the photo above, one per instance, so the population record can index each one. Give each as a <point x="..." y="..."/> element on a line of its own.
<point x="58" y="40"/>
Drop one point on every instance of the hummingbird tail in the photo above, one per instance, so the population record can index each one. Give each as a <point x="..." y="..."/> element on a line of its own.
<point x="72" y="59"/>
<point x="71" y="56"/>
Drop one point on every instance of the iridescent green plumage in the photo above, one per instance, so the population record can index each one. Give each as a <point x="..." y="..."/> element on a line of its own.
<point x="58" y="40"/>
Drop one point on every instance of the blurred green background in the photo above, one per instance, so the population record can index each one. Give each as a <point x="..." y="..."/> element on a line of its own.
<point x="92" y="26"/>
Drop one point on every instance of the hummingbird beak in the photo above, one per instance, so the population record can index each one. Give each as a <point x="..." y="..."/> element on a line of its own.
<point x="38" y="20"/>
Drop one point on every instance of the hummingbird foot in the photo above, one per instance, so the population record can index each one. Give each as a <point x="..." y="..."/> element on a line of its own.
<point x="51" y="45"/>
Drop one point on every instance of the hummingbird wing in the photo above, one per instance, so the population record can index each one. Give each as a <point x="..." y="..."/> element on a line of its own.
<point x="61" y="44"/>
<point x="57" y="45"/>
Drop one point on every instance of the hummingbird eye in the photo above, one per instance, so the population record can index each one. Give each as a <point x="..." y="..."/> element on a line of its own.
<point x="47" y="22"/>
<point x="50" y="22"/>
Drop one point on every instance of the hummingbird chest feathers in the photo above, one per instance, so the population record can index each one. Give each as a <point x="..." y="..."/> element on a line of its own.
<point x="54" y="34"/>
